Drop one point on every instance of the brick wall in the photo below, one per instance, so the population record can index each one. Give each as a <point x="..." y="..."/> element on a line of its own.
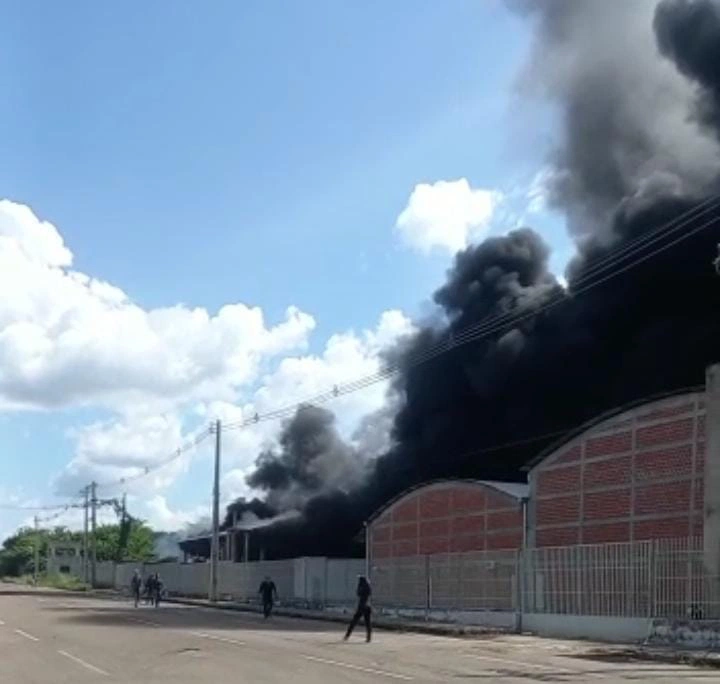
<point x="635" y="476"/>
<point x="448" y="517"/>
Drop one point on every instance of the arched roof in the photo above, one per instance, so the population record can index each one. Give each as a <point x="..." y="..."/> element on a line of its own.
<point x="517" y="490"/>
<point x="608" y="415"/>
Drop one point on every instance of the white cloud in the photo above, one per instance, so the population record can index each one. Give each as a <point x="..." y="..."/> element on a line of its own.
<point x="160" y="516"/>
<point x="347" y="357"/>
<point x="446" y="215"/>
<point x="67" y="338"/>
<point x="537" y="195"/>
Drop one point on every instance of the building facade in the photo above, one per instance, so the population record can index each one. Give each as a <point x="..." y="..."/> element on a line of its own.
<point x="449" y="516"/>
<point x="631" y="475"/>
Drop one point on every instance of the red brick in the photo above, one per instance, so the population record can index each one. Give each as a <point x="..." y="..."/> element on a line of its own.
<point x="610" y="504"/>
<point x="700" y="459"/>
<point x="666" y="412"/>
<point x="504" y="520"/>
<point x="667" y="463"/>
<point x="434" y="545"/>
<point x="558" y="509"/>
<point x="511" y="539"/>
<point x="665" y="433"/>
<point x="468" y="542"/>
<point x="407" y="510"/>
<point x="468" y="524"/>
<point x="614" y="471"/>
<point x="664" y="528"/>
<point x="606" y="533"/>
<point x="698" y="525"/>
<point x="559" y="480"/>
<point x="608" y="444"/>
<point x="434" y="528"/>
<point x="409" y="531"/>
<point x="701" y="427"/>
<point x="381" y="551"/>
<point x="385" y="518"/>
<point x="568" y="456"/>
<point x="558" y="536"/>
<point x="699" y="494"/>
<point x="669" y="497"/>
<point x="498" y="501"/>
<point x="381" y="533"/>
<point x="468" y="499"/>
<point x="434" y="503"/>
<point x="405" y="548"/>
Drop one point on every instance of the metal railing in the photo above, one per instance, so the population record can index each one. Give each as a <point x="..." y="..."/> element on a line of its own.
<point x="659" y="578"/>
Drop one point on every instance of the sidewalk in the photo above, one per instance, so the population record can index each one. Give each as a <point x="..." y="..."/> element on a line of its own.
<point x="339" y="615"/>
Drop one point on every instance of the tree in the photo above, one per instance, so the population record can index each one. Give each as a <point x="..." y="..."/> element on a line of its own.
<point x="135" y="541"/>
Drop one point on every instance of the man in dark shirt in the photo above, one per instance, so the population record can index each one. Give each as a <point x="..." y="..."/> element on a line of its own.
<point x="150" y="589"/>
<point x="363" y="609"/>
<point x="268" y="593"/>
<point x="136" y="585"/>
<point x="157" y="589"/>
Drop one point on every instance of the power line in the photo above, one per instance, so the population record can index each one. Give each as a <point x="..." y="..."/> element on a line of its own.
<point x="502" y="321"/>
<point x="49" y="507"/>
<point x="147" y="470"/>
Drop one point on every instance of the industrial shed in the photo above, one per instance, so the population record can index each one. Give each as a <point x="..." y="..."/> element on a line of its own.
<point x="633" y="474"/>
<point x="449" y="516"/>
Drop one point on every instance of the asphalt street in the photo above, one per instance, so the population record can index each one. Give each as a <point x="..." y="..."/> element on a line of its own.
<point x="50" y="637"/>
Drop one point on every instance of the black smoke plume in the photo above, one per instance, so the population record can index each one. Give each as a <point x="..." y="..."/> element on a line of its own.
<point x="635" y="87"/>
<point x="312" y="459"/>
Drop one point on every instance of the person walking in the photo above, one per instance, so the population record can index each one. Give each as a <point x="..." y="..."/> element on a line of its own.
<point x="150" y="589"/>
<point x="268" y="593"/>
<point x="157" y="589"/>
<point x="363" y="609"/>
<point x="136" y="586"/>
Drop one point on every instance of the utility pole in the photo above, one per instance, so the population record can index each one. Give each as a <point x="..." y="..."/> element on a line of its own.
<point x="93" y="539"/>
<point x="36" y="566"/>
<point x="215" y="548"/>
<point x="86" y="548"/>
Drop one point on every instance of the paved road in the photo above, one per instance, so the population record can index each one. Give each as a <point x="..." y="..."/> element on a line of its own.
<point x="49" y="637"/>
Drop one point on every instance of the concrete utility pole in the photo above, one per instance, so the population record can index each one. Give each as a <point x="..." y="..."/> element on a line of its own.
<point x="215" y="549"/>
<point x="93" y="540"/>
<point x="36" y="565"/>
<point x="711" y="522"/>
<point x="86" y="507"/>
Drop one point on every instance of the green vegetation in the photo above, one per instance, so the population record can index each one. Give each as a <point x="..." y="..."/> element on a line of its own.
<point x="56" y="581"/>
<point x="132" y="540"/>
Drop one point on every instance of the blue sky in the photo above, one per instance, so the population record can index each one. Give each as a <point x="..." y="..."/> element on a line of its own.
<point x="251" y="152"/>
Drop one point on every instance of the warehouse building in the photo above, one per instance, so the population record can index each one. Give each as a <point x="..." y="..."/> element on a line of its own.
<point x="449" y="516"/>
<point x="633" y="474"/>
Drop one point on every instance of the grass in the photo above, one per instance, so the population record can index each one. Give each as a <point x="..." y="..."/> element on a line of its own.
<point x="57" y="581"/>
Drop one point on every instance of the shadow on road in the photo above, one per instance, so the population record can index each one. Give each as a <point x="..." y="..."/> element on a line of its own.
<point x="44" y="593"/>
<point x="170" y="617"/>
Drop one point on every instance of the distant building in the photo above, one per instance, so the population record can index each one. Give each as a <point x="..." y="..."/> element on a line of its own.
<point x="65" y="558"/>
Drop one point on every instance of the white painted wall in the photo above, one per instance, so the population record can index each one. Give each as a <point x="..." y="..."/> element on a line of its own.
<point x="613" y="629"/>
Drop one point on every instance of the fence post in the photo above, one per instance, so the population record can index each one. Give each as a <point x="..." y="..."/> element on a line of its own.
<point x="652" y="583"/>
<point x="519" y="589"/>
<point x="428" y="588"/>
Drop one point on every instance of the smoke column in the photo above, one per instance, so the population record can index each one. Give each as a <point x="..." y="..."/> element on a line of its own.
<point x="636" y="90"/>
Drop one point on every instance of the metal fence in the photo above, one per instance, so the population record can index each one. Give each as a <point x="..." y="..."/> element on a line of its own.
<point x="660" y="578"/>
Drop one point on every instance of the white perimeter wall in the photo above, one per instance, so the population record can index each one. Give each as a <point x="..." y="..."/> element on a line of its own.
<point x="614" y="629"/>
<point x="308" y="581"/>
